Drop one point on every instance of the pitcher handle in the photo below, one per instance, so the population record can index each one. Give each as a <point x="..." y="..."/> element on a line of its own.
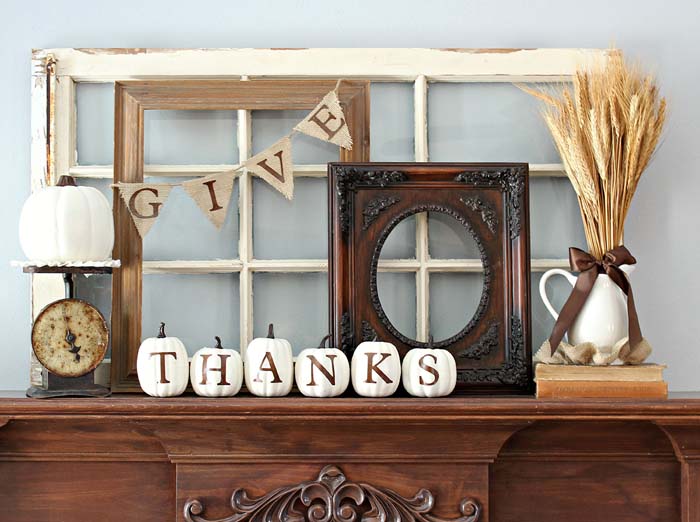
<point x="543" y="287"/>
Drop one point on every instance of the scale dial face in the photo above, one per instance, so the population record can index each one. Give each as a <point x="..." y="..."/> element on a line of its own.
<point x="70" y="337"/>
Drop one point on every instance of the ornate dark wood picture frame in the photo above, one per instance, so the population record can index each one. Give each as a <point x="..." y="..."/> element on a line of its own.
<point x="368" y="200"/>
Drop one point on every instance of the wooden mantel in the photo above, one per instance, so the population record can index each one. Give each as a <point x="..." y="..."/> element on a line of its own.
<point x="489" y="459"/>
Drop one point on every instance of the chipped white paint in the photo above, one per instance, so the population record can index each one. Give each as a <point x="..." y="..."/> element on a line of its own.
<point x="174" y="171"/>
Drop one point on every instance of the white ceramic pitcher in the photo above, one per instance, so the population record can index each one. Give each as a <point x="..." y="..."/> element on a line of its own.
<point x="603" y="318"/>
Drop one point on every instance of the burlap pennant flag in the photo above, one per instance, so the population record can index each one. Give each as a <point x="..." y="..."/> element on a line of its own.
<point x="327" y="122"/>
<point x="275" y="166"/>
<point x="212" y="194"/>
<point x="144" y="201"/>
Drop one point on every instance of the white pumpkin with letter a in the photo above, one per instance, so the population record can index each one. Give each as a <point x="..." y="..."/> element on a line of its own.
<point x="427" y="372"/>
<point x="162" y="365"/>
<point x="66" y="223"/>
<point x="216" y="372"/>
<point x="322" y="372"/>
<point x="269" y="368"/>
<point x="376" y="369"/>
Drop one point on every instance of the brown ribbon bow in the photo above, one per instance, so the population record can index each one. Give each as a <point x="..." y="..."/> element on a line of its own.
<point x="589" y="268"/>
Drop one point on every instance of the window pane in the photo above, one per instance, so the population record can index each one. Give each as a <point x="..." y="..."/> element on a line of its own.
<point x="555" y="220"/>
<point x="190" y="137"/>
<point x="397" y="294"/>
<point x="296" y="229"/>
<point x="297" y="304"/>
<point x="454" y="298"/>
<point x="95" y="123"/>
<point x="97" y="290"/>
<point x="391" y="110"/>
<point x="448" y="239"/>
<point x="486" y="122"/>
<point x="401" y="243"/>
<point x="270" y="126"/>
<point x="194" y="308"/>
<point x="558" y="290"/>
<point x="183" y="232"/>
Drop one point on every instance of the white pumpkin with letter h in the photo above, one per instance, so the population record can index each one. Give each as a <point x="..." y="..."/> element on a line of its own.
<point x="268" y="366"/>
<point x="162" y="365"/>
<point x="322" y="372"/>
<point x="216" y="372"/>
<point x="429" y="372"/>
<point x="376" y="369"/>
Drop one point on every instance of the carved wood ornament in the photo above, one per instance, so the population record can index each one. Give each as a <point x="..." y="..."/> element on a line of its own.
<point x="333" y="498"/>
<point x="490" y="201"/>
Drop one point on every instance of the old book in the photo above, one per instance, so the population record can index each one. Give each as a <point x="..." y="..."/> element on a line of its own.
<point x="601" y="389"/>
<point x="570" y="372"/>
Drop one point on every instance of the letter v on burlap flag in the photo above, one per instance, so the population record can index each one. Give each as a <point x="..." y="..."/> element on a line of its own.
<point x="212" y="194"/>
<point x="275" y="166"/>
<point x="144" y="202"/>
<point x="327" y="122"/>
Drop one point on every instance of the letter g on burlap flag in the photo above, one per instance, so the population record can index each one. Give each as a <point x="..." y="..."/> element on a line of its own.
<point x="144" y="202"/>
<point x="327" y="122"/>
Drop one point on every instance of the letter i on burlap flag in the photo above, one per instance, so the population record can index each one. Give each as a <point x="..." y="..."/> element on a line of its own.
<point x="327" y="122"/>
<point x="275" y="166"/>
<point x="144" y="202"/>
<point x="212" y="194"/>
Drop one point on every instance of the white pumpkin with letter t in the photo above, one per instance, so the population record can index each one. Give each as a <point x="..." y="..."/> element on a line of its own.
<point x="269" y="368"/>
<point x="376" y="369"/>
<point x="216" y="372"/>
<point x="427" y="372"/>
<point x="162" y="365"/>
<point x="322" y="372"/>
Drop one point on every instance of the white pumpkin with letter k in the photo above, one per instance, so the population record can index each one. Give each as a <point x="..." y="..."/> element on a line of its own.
<point x="376" y="369"/>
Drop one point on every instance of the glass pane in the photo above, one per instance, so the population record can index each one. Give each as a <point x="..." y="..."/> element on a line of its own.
<point x="270" y="126"/>
<point x="454" y="297"/>
<point x="190" y="137"/>
<point x="397" y="293"/>
<point x="558" y="290"/>
<point x="448" y="239"/>
<point x="97" y="290"/>
<point x="95" y="123"/>
<point x="297" y="304"/>
<point x="555" y="220"/>
<point x="183" y="232"/>
<point x="296" y="229"/>
<point x="486" y="122"/>
<point x="194" y="308"/>
<point x="391" y="111"/>
<point x="401" y="243"/>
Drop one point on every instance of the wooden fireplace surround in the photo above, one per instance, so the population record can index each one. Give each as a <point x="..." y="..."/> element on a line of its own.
<point x="493" y="459"/>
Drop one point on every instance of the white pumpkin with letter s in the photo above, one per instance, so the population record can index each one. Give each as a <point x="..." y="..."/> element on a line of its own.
<point x="375" y="369"/>
<point x="162" y="365"/>
<point x="268" y="366"/>
<point x="322" y="372"/>
<point x="428" y="372"/>
<point x="216" y="372"/>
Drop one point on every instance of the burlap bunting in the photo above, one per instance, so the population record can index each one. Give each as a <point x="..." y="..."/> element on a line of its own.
<point x="327" y="122"/>
<point x="145" y="202"/>
<point x="212" y="194"/>
<point x="275" y="166"/>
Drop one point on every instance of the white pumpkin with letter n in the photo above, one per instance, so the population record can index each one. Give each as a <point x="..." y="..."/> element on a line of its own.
<point x="428" y="372"/>
<point x="322" y="372"/>
<point x="376" y="369"/>
<point x="216" y="372"/>
<point x="269" y="367"/>
<point x="162" y="365"/>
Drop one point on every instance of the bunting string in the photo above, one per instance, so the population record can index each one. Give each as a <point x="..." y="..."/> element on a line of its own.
<point x="274" y="165"/>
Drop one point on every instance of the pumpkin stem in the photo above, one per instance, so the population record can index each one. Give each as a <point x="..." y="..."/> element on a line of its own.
<point x="374" y="339"/>
<point x="218" y="342"/>
<point x="161" y="332"/>
<point x="271" y="331"/>
<point x="66" y="181"/>
<point x="430" y="341"/>
<point x="323" y="342"/>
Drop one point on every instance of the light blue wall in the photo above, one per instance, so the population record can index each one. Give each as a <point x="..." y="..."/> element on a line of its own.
<point x="665" y="36"/>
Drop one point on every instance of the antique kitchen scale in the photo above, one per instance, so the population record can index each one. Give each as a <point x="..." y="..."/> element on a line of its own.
<point x="70" y="339"/>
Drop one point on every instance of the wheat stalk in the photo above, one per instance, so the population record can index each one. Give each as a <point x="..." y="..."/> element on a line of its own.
<point x="606" y="126"/>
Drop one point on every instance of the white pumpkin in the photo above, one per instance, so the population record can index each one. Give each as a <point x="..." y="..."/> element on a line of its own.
<point x="269" y="368"/>
<point x="66" y="223"/>
<point x="162" y="365"/>
<point x="376" y="369"/>
<point x="428" y="372"/>
<point x="322" y="372"/>
<point x="216" y="372"/>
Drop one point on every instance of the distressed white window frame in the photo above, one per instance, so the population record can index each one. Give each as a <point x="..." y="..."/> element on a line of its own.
<point x="55" y="73"/>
